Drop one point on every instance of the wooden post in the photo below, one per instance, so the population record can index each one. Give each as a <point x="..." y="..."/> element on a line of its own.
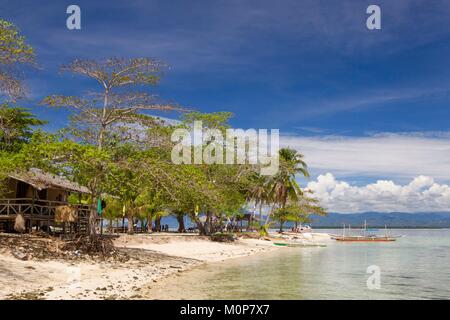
<point x="48" y="215"/>
<point x="32" y="209"/>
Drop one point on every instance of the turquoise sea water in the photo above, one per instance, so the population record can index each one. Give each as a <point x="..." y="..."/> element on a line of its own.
<point x="414" y="267"/>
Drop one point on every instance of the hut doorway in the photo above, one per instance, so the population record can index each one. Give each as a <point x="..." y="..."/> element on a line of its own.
<point x="22" y="189"/>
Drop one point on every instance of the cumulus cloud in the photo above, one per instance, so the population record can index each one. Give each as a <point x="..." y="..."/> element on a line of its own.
<point x="422" y="194"/>
<point x="382" y="155"/>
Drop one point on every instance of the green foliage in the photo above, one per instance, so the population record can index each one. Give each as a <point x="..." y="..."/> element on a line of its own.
<point x="264" y="230"/>
<point x="215" y="120"/>
<point x="16" y="126"/>
<point x="13" y="51"/>
<point x="284" y="185"/>
<point x="113" y="209"/>
<point x="13" y="46"/>
<point x="122" y="154"/>
<point x="299" y="211"/>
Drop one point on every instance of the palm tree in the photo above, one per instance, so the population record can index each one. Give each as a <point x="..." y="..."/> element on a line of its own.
<point x="258" y="192"/>
<point x="283" y="186"/>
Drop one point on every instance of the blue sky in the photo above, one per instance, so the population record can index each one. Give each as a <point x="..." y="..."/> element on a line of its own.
<point x="310" y="68"/>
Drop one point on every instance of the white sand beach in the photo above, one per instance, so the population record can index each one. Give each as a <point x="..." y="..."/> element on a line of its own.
<point x="152" y="258"/>
<point x="195" y="247"/>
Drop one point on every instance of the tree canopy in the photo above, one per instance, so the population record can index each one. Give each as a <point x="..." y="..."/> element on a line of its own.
<point x="116" y="145"/>
<point x="14" y="51"/>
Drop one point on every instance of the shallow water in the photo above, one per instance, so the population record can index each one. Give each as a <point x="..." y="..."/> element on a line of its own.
<point x="414" y="267"/>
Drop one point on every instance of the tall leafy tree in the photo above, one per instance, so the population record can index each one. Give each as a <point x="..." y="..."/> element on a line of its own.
<point x="299" y="211"/>
<point x="119" y="101"/>
<point x="229" y="183"/>
<point x="16" y="126"/>
<point x="16" y="130"/>
<point x="14" y="51"/>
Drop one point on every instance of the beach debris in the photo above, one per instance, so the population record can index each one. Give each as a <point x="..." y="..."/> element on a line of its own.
<point x="223" y="237"/>
<point x="20" y="255"/>
<point x="36" y="246"/>
<point x="101" y="247"/>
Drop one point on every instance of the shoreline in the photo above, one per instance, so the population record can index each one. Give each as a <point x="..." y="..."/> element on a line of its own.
<point x="152" y="259"/>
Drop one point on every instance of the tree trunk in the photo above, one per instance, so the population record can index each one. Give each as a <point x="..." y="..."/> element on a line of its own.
<point x="149" y="223"/>
<point x="252" y="216"/>
<point x="93" y="222"/>
<point x="269" y="215"/>
<point x="201" y="227"/>
<point x="158" y="224"/>
<point x="260" y="213"/>
<point x="181" y="227"/>
<point x="281" y="226"/>
<point x="208" y="226"/>
<point x="130" y="229"/>
<point x="101" y="136"/>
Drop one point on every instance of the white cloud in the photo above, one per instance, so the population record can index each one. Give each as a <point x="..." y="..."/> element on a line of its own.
<point x="422" y="194"/>
<point x="397" y="156"/>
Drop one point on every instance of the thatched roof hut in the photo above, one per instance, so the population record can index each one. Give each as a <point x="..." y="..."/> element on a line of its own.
<point x="37" y="197"/>
<point x="41" y="180"/>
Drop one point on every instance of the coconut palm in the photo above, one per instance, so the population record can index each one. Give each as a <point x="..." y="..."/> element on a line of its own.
<point x="283" y="186"/>
<point x="258" y="192"/>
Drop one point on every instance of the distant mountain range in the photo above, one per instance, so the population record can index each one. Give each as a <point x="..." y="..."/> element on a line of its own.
<point x="378" y="219"/>
<point x="356" y="220"/>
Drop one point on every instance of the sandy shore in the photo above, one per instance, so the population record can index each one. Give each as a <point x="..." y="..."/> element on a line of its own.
<point x="153" y="258"/>
<point x="195" y="247"/>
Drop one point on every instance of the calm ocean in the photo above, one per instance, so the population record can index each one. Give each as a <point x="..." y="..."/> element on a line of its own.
<point x="416" y="266"/>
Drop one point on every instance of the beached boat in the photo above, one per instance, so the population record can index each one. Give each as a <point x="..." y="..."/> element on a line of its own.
<point x="301" y="229"/>
<point x="280" y="244"/>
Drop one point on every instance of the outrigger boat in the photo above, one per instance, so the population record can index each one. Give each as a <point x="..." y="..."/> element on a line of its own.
<point x="364" y="237"/>
<point x="371" y="238"/>
<point x="297" y="244"/>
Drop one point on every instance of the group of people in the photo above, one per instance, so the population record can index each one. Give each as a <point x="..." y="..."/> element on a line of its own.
<point x="161" y="228"/>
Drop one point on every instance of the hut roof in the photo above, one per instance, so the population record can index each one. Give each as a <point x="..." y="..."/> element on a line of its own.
<point x="43" y="180"/>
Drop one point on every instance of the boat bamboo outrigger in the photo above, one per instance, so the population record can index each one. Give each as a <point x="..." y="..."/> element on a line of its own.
<point x="364" y="237"/>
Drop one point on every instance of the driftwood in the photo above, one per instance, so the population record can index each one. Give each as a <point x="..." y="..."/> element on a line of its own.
<point x="41" y="246"/>
<point x="101" y="247"/>
<point x="19" y="224"/>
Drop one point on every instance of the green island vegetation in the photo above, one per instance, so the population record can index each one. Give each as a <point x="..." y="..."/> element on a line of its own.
<point x="122" y="153"/>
